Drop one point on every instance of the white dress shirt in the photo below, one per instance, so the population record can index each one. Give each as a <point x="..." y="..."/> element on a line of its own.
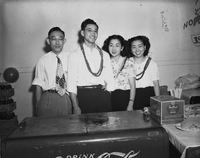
<point x="79" y="75"/>
<point x="45" y="72"/>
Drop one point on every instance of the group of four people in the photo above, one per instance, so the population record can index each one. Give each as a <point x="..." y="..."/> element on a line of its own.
<point x="117" y="77"/>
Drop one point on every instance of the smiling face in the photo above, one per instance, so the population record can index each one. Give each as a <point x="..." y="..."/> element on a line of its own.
<point x="90" y="33"/>
<point x="115" y="47"/>
<point x="56" y="40"/>
<point x="138" y="48"/>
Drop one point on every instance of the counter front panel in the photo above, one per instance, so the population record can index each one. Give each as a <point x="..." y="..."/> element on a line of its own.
<point x="102" y="135"/>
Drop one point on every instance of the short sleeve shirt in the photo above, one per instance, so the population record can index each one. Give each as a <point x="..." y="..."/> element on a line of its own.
<point x="79" y="75"/>
<point x="151" y="74"/>
<point x="45" y="72"/>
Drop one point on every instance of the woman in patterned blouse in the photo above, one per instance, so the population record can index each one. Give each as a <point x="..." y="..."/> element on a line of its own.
<point x="123" y="69"/>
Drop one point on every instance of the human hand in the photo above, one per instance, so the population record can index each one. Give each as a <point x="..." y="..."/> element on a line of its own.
<point x="61" y="92"/>
<point x="129" y="107"/>
<point x="104" y="87"/>
<point x="77" y="111"/>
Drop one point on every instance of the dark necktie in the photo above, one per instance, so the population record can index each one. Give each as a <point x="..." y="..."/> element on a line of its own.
<point x="60" y="77"/>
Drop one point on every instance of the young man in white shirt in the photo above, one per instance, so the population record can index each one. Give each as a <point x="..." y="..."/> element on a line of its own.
<point x="90" y="77"/>
<point x="50" y="78"/>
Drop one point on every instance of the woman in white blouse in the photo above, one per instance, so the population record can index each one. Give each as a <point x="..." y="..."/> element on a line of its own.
<point x="147" y="74"/>
<point x="123" y="69"/>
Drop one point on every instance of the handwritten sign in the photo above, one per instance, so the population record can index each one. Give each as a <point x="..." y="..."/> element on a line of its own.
<point x="164" y="22"/>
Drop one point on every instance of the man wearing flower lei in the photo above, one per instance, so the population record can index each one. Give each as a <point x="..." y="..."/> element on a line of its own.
<point x="90" y="76"/>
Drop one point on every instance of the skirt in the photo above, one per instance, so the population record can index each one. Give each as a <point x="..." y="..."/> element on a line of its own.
<point x="142" y="97"/>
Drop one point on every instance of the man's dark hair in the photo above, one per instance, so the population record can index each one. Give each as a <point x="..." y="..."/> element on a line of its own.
<point x="55" y="29"/>
<point x="86" y="22"/>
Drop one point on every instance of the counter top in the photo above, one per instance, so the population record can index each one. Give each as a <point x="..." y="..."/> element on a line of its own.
<point x="182" y="139"/>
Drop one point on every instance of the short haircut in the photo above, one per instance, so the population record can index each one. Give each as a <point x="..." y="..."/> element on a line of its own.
<point x="123" y="42"/>
<point x="55" y="29"/>
<point x="86" y="22"/>
<point x="143" y="39"/>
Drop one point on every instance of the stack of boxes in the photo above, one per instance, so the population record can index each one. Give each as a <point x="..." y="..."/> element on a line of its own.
<point x="8" y="119"/>
<point x="7" y="104"/>
<point x="166" y="109"/>
<point x="192" y="102"/>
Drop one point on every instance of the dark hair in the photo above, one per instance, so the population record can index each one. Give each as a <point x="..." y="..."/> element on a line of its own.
<point x="86" y="22"/>
<point x="55" y="29"/>
<point x="124" y="52"/>
<point x="143" y="39"/>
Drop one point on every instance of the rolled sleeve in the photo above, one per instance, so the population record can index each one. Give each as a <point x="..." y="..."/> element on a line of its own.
<point x="39" y="74"/>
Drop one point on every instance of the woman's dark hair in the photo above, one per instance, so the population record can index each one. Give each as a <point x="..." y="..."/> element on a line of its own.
<point x="123" y="42"/>
<point x="86" y="22"/>
<point x="143" y="39"/>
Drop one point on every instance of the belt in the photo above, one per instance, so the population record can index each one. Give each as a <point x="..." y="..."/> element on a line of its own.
<point x="51" y="91"/>
<point x="91" y="87"/>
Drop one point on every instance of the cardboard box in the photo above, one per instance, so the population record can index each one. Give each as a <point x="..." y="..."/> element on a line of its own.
<point x="166" y="109"/>
<point x="191" y="96"/>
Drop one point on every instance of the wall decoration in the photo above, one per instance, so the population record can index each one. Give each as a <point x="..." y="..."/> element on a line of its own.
<point x="196" y="39"/>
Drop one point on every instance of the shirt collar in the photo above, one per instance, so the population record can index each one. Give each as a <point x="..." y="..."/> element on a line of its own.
<point x="60" y="55"/>
<point x="87" y="49"/>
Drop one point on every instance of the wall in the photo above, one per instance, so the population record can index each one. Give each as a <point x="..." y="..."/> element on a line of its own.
<point x="171" y="25"/>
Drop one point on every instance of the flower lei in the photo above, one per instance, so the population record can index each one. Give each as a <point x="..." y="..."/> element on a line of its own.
<point x="98" y="73"/>
<point x="145" y="67"/>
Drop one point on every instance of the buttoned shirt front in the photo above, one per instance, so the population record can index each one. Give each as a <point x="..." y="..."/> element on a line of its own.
<point x="45" y="72"/>
<point x="79" y="75"/>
